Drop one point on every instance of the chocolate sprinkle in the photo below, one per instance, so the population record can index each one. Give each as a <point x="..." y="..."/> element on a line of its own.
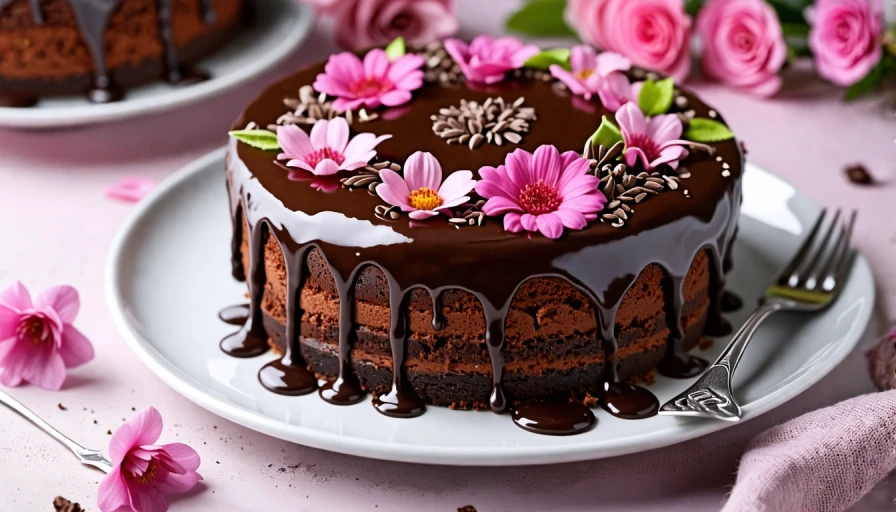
<point x="859" y="175"/>
<point x="474" y="124"/>
<point x="61" y="504"/>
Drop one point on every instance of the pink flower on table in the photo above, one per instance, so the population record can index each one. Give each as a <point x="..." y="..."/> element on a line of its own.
<point x="654" y="141"/>
<point x="372" y="82"/>
<point x="487" y="60"/>
<point x="37" y="339"/>
<point x="597" y="74"/>
<point x="543" y="191"/>
<point x="654" y="34"/>
<point x="366" y="23"/>
<point x="846" y="38"/>
<point x="422" y="192"/>
<point x="130" y="189"/>
<point x="328" y="149"/>
<point x="144" y="472"/>
<point x="743" y="44"/>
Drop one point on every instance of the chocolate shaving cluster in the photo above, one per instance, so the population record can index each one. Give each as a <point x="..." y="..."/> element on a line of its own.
<point x="493" y="121"/>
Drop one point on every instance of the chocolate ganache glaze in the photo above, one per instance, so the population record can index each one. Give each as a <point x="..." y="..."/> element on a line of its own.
<point x="92" y="17"/>
<point x="601" y="261"/>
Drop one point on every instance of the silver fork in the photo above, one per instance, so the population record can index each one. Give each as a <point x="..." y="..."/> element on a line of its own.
<point x="85" y="455"/>
<point x="810" y="282"/>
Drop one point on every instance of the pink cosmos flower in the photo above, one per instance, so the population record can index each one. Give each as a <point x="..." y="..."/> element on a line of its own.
<point x="544" y="191"/>
<point x="743" y="44"/>
<point x="487" y="60"/>
<point x="845" y="38"/>
<point x="130" y="189"/>
<point x="654" y="141"/>
<point x="422" y="192"/>
<point x="375" y="81"/>
<point x="366" y="23"/>
<point x="143" y="471"/>
<point x="599" y="74"/>
<point x="654" y="34"/>
<point x="328" y="149"/>
<point x="37" y="339"/>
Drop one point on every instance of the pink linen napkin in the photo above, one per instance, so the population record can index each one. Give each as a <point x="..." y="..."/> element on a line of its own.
<point x="823" y="461"/>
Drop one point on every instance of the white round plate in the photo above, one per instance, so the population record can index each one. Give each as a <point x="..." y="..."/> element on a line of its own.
<point x="169" y="275"/>
<point x="280" y="26"/>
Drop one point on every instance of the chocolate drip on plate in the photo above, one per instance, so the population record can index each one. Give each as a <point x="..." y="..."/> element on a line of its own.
<point x="731" y="302"/>
<point x="401" y="401"/>
<point x="553" y="418"/>
<point x="345" y="389"/>
<point x="252" y="340"/>
<point x="14" y="100"/>
<point x="235" y="315"/>
<point x="628" y="401"/>
<point x="93" y="17"/>
<point x="175" y="72"/>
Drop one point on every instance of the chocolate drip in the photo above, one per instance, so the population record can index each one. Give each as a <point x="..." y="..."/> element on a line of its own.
<point x="494" y="341"/>
<point x="553" y="418"/>
<point x="235" y="315"/>
<point x="93" y="17"/>
<point x="677" y="363"/>
<point x="628" y="401"/>
<point x="175" y="73"/>
<point x="438" y="319"/>
<point x="36" y="14"/>
<point x="730" y="302"/>
<point x="289" y="375"/>
<point x="252" y="340"/>
<point x="345" y="389"/>
<point x="15" y="100"/>
<point x="401" y="401"/>
<point x="207" y="12"/>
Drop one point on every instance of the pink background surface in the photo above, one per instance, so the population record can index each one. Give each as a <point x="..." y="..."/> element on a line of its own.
<point x="57" y="228"/>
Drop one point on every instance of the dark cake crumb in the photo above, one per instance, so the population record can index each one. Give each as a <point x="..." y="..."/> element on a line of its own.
<point x="108" y="432"/>
<point x="61" y="504"/>
<point x="859" y="175"/>
<point x="467" y="508"/>
<point x="61" y="407"/>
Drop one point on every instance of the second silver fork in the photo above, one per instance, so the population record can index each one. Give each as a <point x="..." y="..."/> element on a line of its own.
<point x="810" y="282"/>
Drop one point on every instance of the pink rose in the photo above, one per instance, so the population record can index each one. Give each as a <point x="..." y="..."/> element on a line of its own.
<point x="743" y="44"/>
<point x="366" y="23"/>
<point x="654" y="34"/>
<point x="846" y="38"/>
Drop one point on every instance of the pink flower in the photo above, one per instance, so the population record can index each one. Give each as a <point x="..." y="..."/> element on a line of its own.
<point x="374" y="82"/>
<point x="654" y="34"/>
<point x="422" y="191"/>
<point x="743" y="44"/>
<point x="599" y="74"/>
<point x="544" y="191"/>
<point x="366" y="23"/>
<point x="130" y="189"/>
<point x="487" y="60"/>
<point x="846" y="38"/>
<point x="328" y="149"/>
<point x="145" y="472"/>
<point x="654" y="141"/>
<point x="37" y="340"/>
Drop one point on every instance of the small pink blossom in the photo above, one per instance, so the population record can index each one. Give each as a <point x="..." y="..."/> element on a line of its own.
<point x="37" y="339"/>
<point x="143" y="471"/>
<point x="366" y="23"/>
<point x="544" y="191"/>
<point x="372" y="82"/>
<point x="487" y="60"/>
<point x="328" y="149"/>
<point x="130" y="189"/>
<point x="846" y="38"/>
<point x="597" y="74"/>
<point x="654" y="34"/>
<point x="654" y="141"/>
<point x="422" y="192"/>
<point x="743" y="44"/>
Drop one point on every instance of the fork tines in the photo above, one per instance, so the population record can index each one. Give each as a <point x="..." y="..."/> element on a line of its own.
<point x="823" y="260"/>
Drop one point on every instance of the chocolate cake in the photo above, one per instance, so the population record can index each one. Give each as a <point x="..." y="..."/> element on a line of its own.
<point x="421" y="297"/>
<point x="97" y="48"/>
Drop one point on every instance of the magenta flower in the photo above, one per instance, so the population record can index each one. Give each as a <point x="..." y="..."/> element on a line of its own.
<point x="145" y="472"/>
<point x="487" y="60"/>
<point x="544" y="191"/>
<point x="597" y="74"/>
<point x="374" y="82"/>
<point x="37" y="340"/>
<point x="328" y="149"/>
<point x="654" y="141"/>
<point x="422" y="192"/>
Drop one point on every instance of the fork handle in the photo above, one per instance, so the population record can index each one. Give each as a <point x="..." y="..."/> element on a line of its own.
<point x="735" y="348"/>
<point x="16" y="406"/>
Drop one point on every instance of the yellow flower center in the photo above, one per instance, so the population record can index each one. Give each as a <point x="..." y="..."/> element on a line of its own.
<point x="425" y="199"/>
<point x="149" y="475"/>
<point x="584" y="74"/>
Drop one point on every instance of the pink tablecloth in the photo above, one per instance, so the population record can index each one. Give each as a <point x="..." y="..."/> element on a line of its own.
<point x="56" y="228"/>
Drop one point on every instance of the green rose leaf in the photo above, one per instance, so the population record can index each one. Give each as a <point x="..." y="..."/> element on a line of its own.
<point x="545" y="59"/>
<point x="707" y="130"/>
<point x="396" y="48"/>
<point x="259" y="139"/>
<point x="656" y="97"/>
<point x="607" y="134"/>
<point x="543" y="18"/>
<point x="873" y="80"/>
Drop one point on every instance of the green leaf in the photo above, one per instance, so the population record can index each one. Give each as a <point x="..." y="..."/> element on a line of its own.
<point x="790" y="11"/>
<point x="544" y="60"/>
<point x="543" y="18"/>
<point x="797" y="37"/>
<point x="656" y="97"/>
<point x="702" y="129"/>
<point x="396" y="48"/>
<point x="872" y="80"/>
<point x="692" y="7"/>
<point x="259" y="139"/>
<point x="607" y="133"/>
